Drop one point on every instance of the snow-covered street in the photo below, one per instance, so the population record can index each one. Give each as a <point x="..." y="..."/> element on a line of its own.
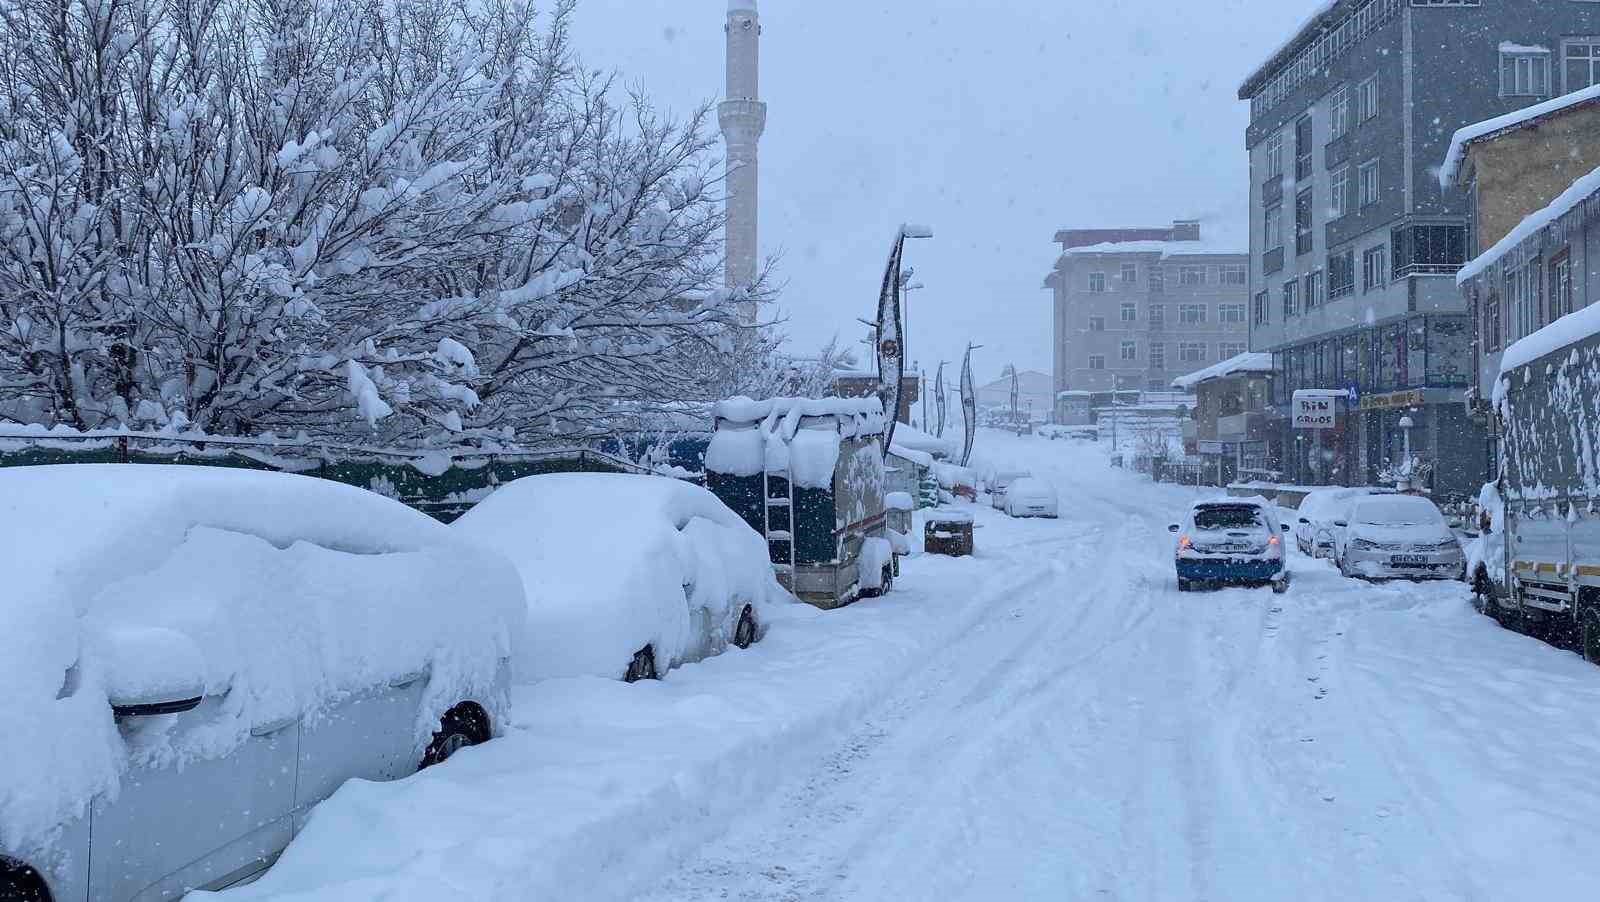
<point x="1049" y="720"/>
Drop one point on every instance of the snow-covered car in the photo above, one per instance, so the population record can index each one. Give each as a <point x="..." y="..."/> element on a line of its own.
<point x="1316" y="530"/>
<point x="1031" y="497"/>
<point x="1231" y="542"/>
<point x="626" y="576"/>
<point x="197" y="656"/>
<point x="1398" y="537"/>
<point x="1000" y="483"/>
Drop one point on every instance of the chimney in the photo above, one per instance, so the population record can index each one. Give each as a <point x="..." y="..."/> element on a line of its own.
<point x="1186" y="230"/>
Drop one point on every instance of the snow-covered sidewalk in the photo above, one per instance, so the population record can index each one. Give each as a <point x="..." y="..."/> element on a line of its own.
<point x="1051" y="720"/>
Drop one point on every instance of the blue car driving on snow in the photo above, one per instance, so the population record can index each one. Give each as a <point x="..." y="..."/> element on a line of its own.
<point x="1231" y="542"/>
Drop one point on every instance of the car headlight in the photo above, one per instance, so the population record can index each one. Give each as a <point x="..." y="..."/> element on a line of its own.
<point x="1363" y="545"/>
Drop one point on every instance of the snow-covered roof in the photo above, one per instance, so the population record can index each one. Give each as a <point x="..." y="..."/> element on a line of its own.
<point x="1569" y="200"/>
<point x="1073" y="393"/>
<point x="1488" y="128"/>
<point x="1233" y="366"/>
<point x="857" y="416"/>
<point x="1309" y="27"/>
<point x="1164" y="248"/>
<point x="771" y="436"/>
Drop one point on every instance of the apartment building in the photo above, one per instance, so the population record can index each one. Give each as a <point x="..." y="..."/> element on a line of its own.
<point x="1137" y="308"/>
<point x="1355" y="244"/>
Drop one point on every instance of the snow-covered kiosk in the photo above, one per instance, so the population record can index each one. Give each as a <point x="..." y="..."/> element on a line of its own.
<point x="809" y="475"/>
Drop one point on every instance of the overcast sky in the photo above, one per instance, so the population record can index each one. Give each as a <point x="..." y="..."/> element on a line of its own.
<point x="995" y="122"/>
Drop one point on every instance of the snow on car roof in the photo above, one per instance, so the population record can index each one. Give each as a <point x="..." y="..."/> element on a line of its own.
<point x="607" y="559"/>
<point x="286" y="592"/>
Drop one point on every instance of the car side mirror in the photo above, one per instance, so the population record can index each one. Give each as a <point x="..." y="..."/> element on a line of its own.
<point x="1342" y="524"/>
<point x="1305" y="522"/>
<point x="1285" y="527"/>
<point x="150" y="671"/>
<point x="1174" y="528"/>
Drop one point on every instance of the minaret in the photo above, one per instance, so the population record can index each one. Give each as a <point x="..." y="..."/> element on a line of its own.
<point x="744" y="118"/>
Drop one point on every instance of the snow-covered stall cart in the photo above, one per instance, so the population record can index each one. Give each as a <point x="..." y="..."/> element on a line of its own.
<point x="808" y="475"/>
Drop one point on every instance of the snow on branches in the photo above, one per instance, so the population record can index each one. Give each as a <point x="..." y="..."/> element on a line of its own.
<point x="408" y="217"/>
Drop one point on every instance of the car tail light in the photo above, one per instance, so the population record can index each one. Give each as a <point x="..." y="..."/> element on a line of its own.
<point x="1272" y="540"/>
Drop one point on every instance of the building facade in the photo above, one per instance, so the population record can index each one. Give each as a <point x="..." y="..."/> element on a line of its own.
<point x="1232" y="435"/>
<point x="743" y="118"/>
<point x="1355" y="244"/>
<point x="1137" y="308"/>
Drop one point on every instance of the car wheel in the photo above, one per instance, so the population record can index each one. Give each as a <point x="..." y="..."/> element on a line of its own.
<point x="467" y="724"/>
<point x="1589" y="638"/>
<point x="1185" y="585"/>
<point x="21" y="883"/>
<point x="643" y="666"/>
<point x="1483" y="594"/>
<point x="744" y="635"/>
<point x="1281" y="585"/>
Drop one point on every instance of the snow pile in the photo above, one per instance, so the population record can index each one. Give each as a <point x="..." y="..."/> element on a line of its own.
<point x="914" y="439"/>
<point x="1488" y="550"/>
<point x="1466" y="135"/>
<point x="284" y="593"/>
<point x="801" y="436"/>
<point x="1243" y="363"/>
<point x="612" y="563"/>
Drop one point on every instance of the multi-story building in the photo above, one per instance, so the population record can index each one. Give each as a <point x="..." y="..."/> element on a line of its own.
<point x="1354" y="243"/>
<point x="1137" y="308"/>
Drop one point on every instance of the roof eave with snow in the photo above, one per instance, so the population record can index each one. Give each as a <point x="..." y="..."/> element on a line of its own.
<point x="1478" y="132"/>
<point x="1243" y="364"/>
<point x="1571" y="199"/>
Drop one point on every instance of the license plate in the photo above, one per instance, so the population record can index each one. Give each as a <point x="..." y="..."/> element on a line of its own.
<point x="1409" y="560"/>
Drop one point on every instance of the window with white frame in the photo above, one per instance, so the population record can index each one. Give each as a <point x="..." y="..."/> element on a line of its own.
<point x="1275" y="156"/>
<point x="1231" y="313"/>
<point x="1368" y="183"/>
<point x="1228" y="350"/>
<point x="1130" y="273"/>
<point x="1339" y="198"/>
<point x="1315" y="290"/>
<point x="1192" y="314"/>
<point x="1158" y="315"/>
<point x="1524" y="70"/>
<point x="1374" y="268"/>
<point x="1272" y="228"/>
<point x="1291" y="298"/>
<point x="1191" y="351"/>
<point x="1367" y="99"/>
<point x="1339" y="112"/>
<point x="1097" y="282"/>
<point x="1191" y="275"/>
<point x="1130" y="313"/>
<point x="1234" y="274"/>
<point x="1097" y="324"/>
<point x="1580" y="62"/>
<point x="1130" y="351"/>
<point x="1522" y="293"/>
<point x="1560" y="286"/>
<point x="1259" y="312"/>
<point x="1158" y="357"/>
<point x="1097" y="361"/>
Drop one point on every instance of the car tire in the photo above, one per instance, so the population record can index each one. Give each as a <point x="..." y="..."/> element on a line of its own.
<point x="745" y="632"/>
<point x="1589" y="638"/>
<point x="467" y="724"/>
<point x="21" y="883"/>
<point x="1280" y="586"/>
<point x="643" y="666"/>
<point x="1185" y="585"/>
<point x="1483" y="594"/>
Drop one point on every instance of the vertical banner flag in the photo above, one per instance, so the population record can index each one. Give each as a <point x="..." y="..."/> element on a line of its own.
<point x="891" y="344"/>
<point x="938" y="399"/>
<point x="969" y="406"/>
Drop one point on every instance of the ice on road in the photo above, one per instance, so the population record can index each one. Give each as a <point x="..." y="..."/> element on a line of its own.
<point x="1052" y="720"/>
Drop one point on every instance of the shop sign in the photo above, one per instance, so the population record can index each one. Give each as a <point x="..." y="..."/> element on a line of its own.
<point x="1314" y="412"/>
<point x="1393" y="400"/>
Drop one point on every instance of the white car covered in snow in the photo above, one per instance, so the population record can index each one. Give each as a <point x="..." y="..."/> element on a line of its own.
<point x="1030" y="497"/>
<point x="197" y="656"/>
<point x="626" y="576"/>
<point x="1000" y="483"/>
<point x="1317" y="531"/>
<point x="1398" y="537"/>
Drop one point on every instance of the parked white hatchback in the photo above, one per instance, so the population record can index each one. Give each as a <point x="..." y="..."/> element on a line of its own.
<point x="1031" y="497"/>
<point x="1398" y="537"/>
<point x="197" y="656"/>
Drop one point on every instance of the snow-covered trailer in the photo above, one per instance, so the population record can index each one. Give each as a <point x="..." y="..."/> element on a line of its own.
<point x="808" y="474"/>
<point x="1548" y="397"/>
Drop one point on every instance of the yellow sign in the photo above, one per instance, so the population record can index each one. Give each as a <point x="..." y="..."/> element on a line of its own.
<point x="1399" y="399"/>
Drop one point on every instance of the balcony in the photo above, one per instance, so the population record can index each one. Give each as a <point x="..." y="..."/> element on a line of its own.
<point x="1272" y="261"/>
<point x="1271" y="191"/>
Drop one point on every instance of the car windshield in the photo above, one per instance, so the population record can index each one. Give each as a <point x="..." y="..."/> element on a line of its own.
<point x="1398" y="512"/>
<point x="1209" y="518"/>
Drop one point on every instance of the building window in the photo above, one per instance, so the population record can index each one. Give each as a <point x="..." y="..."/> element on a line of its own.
<point x="1275" y="156"/>
<point x="1369" y="183"/>
<point x="1158" y="315"/>
<point x="1339" y="112"/>
<point x="1191" y="275"/>
<point x="1291" y="298"/>
<point x="1338" y="202"/>
<point x="1097" y="324"/>
<point x="1192" y="314"/>
<point x="1367" y="99"/>
<point x="1130" y="313"/>
<point x="1373" y="268"/>
<point x="1158" y="357"/>
<point x="1191" y="351"/>
<point x="1524" y="71"/>
<point x="1258" y="312"/>
<point x="1522" y="293"/>
<point x="1097" y="282"/>
<point x="1158" y="280"/>
<point x="1273" y="228"/>
<point x="1230" y="313"/>
<point x="1304" y="240"/>
<point x="1427" y="249"/>
<point x="1581" y="66"/>
<point x="1492" y="335"/>
<point x="1130" y="274"/>
<point x="1228" y="350"/>
<point x="1130" y="351"/>
<point x="1235" y="274"/>
<point x="1097" y="361"/>
<point x="1315" y="290"/>
<point x="1302" y="148"/>
<point x="1341" y="275"/>
<point x="1560" y="286"/>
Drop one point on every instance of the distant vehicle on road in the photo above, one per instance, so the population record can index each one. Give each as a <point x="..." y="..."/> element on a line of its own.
<point x="197" y="656"/>
<point x="1398" y="537"/>
<point x="1231" y="542"/>
<point x="1030" y="497"/>
<point x="1316" y="534"/>
<point x="1001" y="483"/>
